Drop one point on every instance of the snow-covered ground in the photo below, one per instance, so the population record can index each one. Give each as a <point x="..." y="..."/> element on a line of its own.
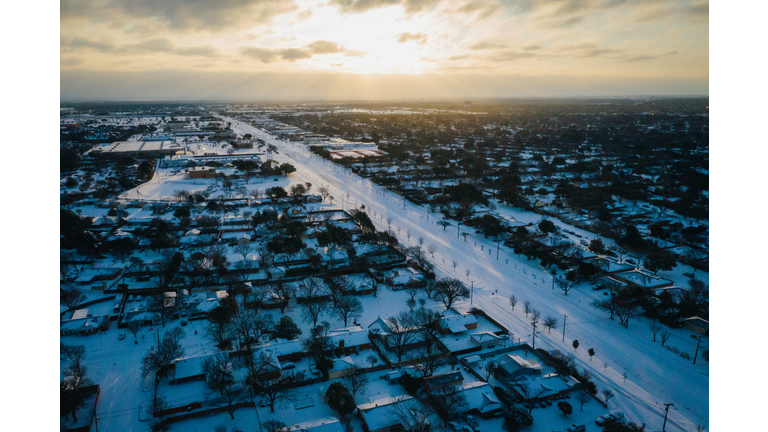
<point x="655" y="375"/>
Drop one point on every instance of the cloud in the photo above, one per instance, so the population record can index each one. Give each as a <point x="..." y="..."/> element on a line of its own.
<point x="420" y="38"/>
<point x="78" y="43"/>
<point x="325" y="47"/>
<point x="319" y="47"/>
<point x="337" y="64"/>
<point x="643" y="57"/>
<point x="532" y="47"/>
<point x="293" y="54"/>
<point x="505" y="56"/>
<point x="486" y="44"/>
<point x="262" y="54"/>
<point x="483" y="8"/>
<point x="177" y="14"/>
<point x="459" y="57"/>
<point x="150" y="46"/>
<point x="360" y="6"/>
<point x="568" y="22"/>
<point x="207" y="51"/>
<point x="72" y="61"/>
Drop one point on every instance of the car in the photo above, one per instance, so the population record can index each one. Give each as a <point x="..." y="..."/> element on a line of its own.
<point x="138" y="297"/>
<point x="577" y="428"/>
<point x="130" y="297"/>
<point x="543" y="404"/>
<point x="121" y="336"/>
<point x="690" y="275"/>
<point x="184" y="322"/>
<point x="608" y="419"/>
<point x="549" y="402"/>
<point x="183" y="312"/>
<point x="471" y="421"/>
<point x="288" y="365"/>
<point x="629" y="261"/>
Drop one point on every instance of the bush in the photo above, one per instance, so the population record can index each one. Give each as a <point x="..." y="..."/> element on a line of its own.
<point x="516" y="418"/>
<point x="340" y="399"/>
<point x="409" y="383"/>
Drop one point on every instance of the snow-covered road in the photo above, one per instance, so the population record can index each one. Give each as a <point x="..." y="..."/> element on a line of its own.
<point x="655" y="374"/>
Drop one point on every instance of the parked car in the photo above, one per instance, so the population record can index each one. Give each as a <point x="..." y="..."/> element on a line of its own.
<point x="130" y="297"/>
<point x="138" y="297"/>
<point x="184" y="322"/>
<point x="543" y="404"/>
<point x="471" y="421"/>
<point x="690" y="275"/>
<point x="288" y="365"/>
<point x="608" y="419"/>
<point x="121" y="336"/>
<point x="183" y="312"/>
<point x="577" y="428"/>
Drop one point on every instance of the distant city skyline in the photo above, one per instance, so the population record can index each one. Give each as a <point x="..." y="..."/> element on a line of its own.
<point x="380" y="49"/>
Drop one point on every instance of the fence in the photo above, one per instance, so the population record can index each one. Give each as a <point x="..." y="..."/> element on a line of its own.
<point x="201" y="413"/>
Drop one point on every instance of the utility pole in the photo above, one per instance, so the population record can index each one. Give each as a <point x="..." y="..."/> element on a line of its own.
<point x="554" y="272"/>
<point x="472" y="295"/>
<point x="698" y="345"/>
<point x="666" y="411"/>
<point x="498" y="245"/>
<point x="534" y="332"/>
<point x="565" y="317"/>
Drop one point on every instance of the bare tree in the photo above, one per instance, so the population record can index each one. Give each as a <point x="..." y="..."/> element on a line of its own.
<point x="169" y="349"/>
<point x="337" y="287"/>
<point x="513" y="301"/>
<point x="607" y="394"/>
<point x="401" y="333"/>
<point x="565" y="285"/>
<point x="655" y="328"/>
<point x="244" y="249"/>
<point x="454" y="263"/>
<point x="583" y="398"/>
<point x="389" y="223"/>
<point x="312" y="305"/>
<point x="348" y="307"/>
<point x="411" y="414"/>
<point x="159" y="305"/>
<point x="527" y="307"/>
<point x="530" y="394"/>
<point x="468" y="272"/>
<point x="450" y="290"/>
<point x="275" y="390"/>
<point x="448" y="402"/>
<point x="550" y="322"/>
<point x="665" y="335"/>
<point x="72" y="298"/>
<point x="356" y="382"/>
<point x="134" y="327"/>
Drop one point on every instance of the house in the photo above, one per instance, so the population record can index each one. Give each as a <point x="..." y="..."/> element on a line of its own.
<point x="376" y="415"/>
<point x="385" y="332"/>
<point x="84" y="326"/>
<point x="326" y="424"/>
<point x="342" y="367"/>
<point x="350" y="339"/>
<point x="202" y="172"/>
<point x="435" y="382"/>
<point x="189" y="368"/>
<point x="481" y="401"/>
<point x="402" y="278"/>
<point x="392" y="377"/>
<point x="457" y="323"/>
<point x="545" y="387"/>
<point x="696" y="324"/>
<point x="513" y="366"/>
<point x="283" y="349"/>
<point x="485" y="339"/>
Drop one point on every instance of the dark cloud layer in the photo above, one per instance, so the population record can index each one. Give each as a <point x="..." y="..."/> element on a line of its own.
<point x="155" y="85"/>
<point x="178" y="14"/>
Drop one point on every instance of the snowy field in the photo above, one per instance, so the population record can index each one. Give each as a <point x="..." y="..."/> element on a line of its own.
<point x="655" y="374"/>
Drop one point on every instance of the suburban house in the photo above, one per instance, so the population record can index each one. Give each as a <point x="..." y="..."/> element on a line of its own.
<point x="485" y="339"/>
<point x="383" y="330"/>
<point x="326" y="424"/>
<point x="342" y="367"/>
<point x="457" y="323"/>
<point x="696" y="324"/>
<point x="350" y="339"/>
<point x="513" y="366"/>
<point x="436" y="382"/>
<point x="376" y="416"/>
<point x="82" y="326"/>
<point x="188" y="369"/>
<point x="401" y="278"/>
<point x="481" y="401"/>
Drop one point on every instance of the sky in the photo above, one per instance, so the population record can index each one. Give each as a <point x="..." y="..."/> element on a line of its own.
<point x="381" y="49"/>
